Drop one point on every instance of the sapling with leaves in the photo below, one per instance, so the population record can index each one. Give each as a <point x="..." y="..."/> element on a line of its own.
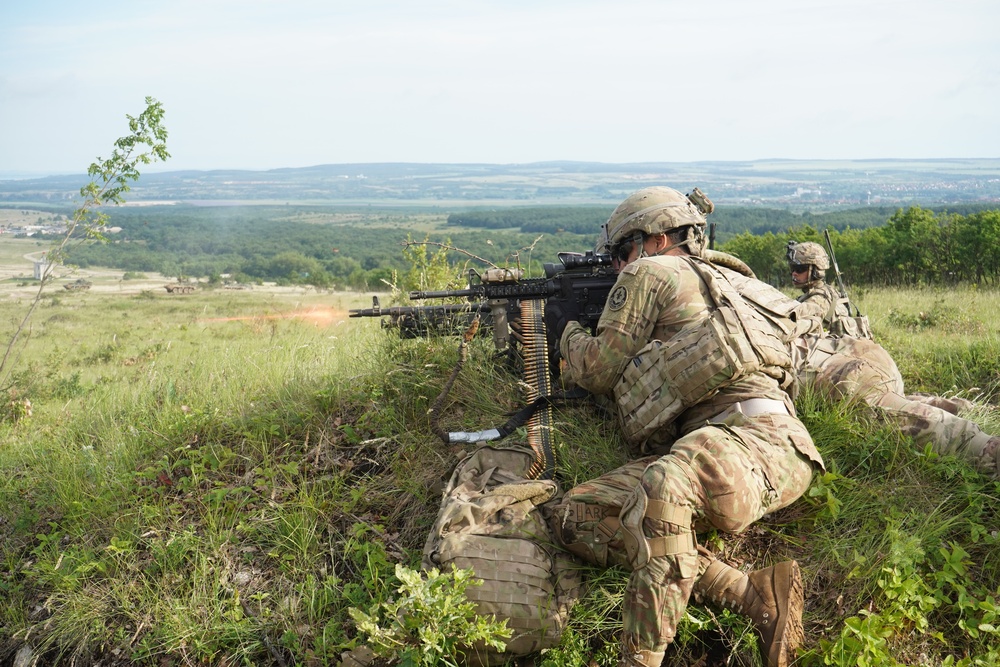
<point x="110" y="180"/>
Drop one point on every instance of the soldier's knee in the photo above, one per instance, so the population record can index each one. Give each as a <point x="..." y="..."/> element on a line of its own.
<point x="727" y="522"/>
<point x="673" y="539"/>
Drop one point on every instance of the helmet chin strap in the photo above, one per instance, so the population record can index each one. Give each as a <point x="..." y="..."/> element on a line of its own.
<point x="640" y="242"/>
<point x="662" y="251"/>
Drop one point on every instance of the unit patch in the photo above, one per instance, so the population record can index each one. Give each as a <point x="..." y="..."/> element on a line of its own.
<point x="618" y="298"/>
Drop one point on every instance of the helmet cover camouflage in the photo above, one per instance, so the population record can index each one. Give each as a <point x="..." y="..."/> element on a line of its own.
<point x="651" y="210"/>
<point x="808" y="252"/>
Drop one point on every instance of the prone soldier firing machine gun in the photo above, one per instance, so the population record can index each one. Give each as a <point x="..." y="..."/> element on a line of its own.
<point x="498" y="298"/>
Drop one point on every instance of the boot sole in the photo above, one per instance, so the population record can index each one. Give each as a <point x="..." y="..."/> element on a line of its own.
<point x="788" y="635"/>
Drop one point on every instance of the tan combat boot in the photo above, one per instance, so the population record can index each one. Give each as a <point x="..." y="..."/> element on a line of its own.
<point x="642" y="658"/>
<point x="771" y="597"/>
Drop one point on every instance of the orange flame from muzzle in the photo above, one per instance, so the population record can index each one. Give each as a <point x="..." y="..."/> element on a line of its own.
<point x="319" y="316"/>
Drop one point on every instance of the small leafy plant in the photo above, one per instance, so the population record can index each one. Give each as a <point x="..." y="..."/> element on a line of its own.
<point x="431" y="622"/>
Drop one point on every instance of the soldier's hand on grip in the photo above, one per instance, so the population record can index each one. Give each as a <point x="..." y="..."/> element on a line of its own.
<point x="558" y="314"/>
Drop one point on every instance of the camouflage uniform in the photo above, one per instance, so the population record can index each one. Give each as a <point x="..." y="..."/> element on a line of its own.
<point x="819" y="299"/>
<point x="816" y="301"/>
<point x="859" y="368"/>
<point x="728" y="468"/>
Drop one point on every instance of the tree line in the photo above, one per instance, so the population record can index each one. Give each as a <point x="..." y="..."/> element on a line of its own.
<point x="260" y="243"/>
<point x="730" y="221"/>
<point x="915" y="246"/>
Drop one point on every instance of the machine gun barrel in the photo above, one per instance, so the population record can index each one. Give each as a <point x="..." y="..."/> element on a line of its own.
<point x="416" y="321"/>
<point x="417" y="295"/>
<point x="412" y="311"/>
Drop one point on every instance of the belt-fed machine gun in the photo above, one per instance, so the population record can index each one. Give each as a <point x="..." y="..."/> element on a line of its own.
<point x="497" y="295"/>
<point x="513" y="307"/>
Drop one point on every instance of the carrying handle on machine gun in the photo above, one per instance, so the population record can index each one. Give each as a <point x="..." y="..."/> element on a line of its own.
<point x="836" y="272"/>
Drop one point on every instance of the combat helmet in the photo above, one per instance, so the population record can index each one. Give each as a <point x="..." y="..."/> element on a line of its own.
<point x="810" y="254"/>
<point x="655" y="210"/>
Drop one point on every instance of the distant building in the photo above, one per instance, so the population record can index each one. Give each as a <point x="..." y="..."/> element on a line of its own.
<point x="42" y="267"/>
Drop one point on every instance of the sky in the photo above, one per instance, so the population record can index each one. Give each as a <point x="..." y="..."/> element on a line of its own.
<point x="266" y="84"/>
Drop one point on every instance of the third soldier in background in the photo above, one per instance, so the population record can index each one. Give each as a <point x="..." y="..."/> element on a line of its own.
<point x="841" y="366"/>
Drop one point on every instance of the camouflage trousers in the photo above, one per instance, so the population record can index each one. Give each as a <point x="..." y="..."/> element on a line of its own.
<point x="859" y="369"/>
<point x="726" y="475"/>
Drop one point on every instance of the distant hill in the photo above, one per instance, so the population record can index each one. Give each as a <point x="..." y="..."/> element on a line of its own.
<point x="791" y="184"/>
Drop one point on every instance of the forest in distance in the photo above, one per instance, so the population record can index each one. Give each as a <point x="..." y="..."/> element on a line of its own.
<point x="362" y="248"/>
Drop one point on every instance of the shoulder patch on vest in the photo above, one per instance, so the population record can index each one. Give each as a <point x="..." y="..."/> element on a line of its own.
<point x="618" y="298"/>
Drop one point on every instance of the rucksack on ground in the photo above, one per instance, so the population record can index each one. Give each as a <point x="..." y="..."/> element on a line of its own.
<point x="493" y="521"/>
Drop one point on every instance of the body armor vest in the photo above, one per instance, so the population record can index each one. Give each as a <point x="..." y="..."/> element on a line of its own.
<point x="739" y="337"/>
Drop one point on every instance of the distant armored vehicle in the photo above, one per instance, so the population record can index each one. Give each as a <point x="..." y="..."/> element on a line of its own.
<point x="78" y="285"/>
<point x="179" y="288"/>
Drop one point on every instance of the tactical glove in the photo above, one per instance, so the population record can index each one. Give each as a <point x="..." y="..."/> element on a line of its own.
<point x="558" y="314"/>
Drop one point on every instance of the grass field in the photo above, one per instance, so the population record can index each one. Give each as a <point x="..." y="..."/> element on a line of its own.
<point x="944" y="340"/>
<point x="215" y="478"/>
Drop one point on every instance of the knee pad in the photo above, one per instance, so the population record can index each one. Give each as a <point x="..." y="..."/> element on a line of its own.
<point x="640" y="548"/>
